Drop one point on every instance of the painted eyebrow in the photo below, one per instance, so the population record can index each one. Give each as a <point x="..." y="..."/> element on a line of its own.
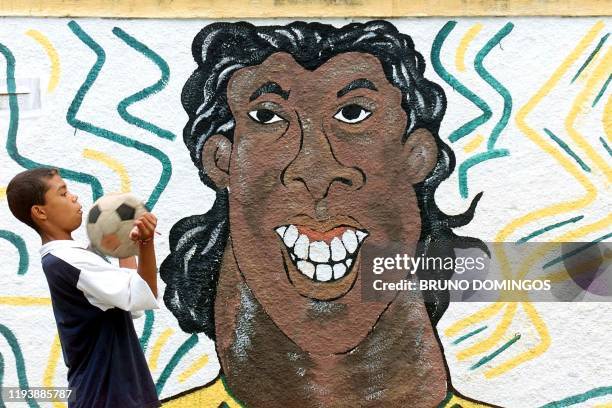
<point x="357" y="84"/>
<point x="269" y="87"/>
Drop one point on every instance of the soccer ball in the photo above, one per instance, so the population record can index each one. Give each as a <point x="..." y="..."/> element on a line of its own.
<point x="110" y="221"/>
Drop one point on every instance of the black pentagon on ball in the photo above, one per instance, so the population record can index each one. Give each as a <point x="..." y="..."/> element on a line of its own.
<point x="94" y="214"/>
<point x="126" y="212"/>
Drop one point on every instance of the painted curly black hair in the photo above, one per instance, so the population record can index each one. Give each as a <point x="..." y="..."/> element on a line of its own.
<point x="197" y="243"/>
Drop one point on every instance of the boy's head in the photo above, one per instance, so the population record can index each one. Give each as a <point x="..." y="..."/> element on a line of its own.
<point x="40" y="199"/>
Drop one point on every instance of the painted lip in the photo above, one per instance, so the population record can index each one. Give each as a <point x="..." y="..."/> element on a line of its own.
<point x="321" y="257"/>
<point x="323" y="226"/>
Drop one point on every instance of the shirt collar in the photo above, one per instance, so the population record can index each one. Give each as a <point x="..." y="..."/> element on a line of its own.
<point x="60" y="243"/>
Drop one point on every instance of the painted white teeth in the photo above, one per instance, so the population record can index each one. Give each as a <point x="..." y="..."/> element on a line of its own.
<point x="339" y="270"/>
<point x="291" y="235"/>
<point x="301" y="247"/>
<point x="281" y="231"/>
<point x="338" y="253"/>
<point x="318" y="260"/>
<point x="324" y="273"/>
<point x="319" y="252"/>
<point x="349" y="239"/>
<point x="306" y="268"/>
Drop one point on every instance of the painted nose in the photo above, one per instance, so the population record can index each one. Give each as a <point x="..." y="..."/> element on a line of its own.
<point x="316" y="167"/>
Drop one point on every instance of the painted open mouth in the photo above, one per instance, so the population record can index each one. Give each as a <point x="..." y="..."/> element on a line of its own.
<point x="322" y="257"/>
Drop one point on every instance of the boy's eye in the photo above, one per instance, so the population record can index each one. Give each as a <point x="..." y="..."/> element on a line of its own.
<point x="352" y="114"/>
<point x="265" y="116"/>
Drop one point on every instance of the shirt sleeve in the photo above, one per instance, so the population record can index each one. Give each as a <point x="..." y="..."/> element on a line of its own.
<point x="106" y="286"/>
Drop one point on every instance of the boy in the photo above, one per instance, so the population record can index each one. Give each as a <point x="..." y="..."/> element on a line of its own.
<point x="91" y="298"/>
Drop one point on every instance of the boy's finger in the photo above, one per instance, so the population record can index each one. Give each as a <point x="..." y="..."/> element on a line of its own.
<point x="151" y="218"/>
<point x="134" y="233"/>
<point x="149" y="224"/>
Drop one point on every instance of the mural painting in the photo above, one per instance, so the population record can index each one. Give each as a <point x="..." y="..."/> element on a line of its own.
<point x="305" y="145"/>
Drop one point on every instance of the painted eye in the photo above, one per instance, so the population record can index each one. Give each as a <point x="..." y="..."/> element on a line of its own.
<point x="265" y="116"/>
<point x="352" y="114"/>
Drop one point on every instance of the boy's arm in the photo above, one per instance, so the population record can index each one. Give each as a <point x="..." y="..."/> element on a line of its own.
<point x="144" y="232"/>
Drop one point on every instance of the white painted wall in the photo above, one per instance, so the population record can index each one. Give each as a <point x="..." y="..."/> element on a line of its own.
<point x="578" y="359"/>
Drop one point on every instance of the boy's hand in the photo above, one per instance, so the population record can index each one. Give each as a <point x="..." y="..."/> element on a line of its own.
<point x="144" y="228"/>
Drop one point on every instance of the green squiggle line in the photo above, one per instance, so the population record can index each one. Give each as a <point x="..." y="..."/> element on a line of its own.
<point x="548" y="228"/>
<point x="474" y="160"/>
<point x="575" y="251"/>
<point x="176" y="358"/>
<point x="576" y="399"/>
<point x="11" y="139"/>
<point x="19" y="362"/>
<point x="468" y="335"/>
<point x="590" y="57"/>
<point x="107" y="134"/>
<point x="146" y="331"/>
<point x="492" y="153"/>
<point x="605" y="145"/>
<point x="470" y="126"/>
<point x="495" y="84"/>
<point x="21" y="248"/>
<point x="146" y="92"/>
<point x="568" y="150"/>
<point x="601" y="91"/>
<point x="496" y="353"/>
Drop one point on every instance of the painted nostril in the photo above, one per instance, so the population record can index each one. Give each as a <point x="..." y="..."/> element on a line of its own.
<point x="346" y="181"/>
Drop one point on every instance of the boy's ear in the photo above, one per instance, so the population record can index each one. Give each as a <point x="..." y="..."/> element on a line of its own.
<point x="38" y="214"/>
<point x="421" y="154"/>
<point x="216" y="155"/>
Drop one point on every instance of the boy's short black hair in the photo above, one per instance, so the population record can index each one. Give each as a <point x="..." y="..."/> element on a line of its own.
<point x="27" y="189"/>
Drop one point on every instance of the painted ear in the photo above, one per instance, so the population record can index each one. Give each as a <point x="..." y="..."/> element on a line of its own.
<point x="421" y="154"/>
<point x="216" y="155"/>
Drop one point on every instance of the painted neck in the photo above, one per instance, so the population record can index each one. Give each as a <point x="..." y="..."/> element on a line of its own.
<point x="399" y="362"/>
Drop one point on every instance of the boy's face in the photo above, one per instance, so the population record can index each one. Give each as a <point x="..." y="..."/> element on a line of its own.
<point x="61" y="209"/>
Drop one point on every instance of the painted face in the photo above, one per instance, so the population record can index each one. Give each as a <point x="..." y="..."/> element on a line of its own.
<point x="62" y="208"/>
<point x="317" y="170"/>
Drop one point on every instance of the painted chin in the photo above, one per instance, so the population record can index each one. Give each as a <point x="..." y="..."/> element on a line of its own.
<point x="322" y="266"/>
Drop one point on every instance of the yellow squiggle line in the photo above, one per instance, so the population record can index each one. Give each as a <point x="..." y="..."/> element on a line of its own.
<point x="490" y="342"/>
<point x="474" y="143"/>
<point x="572" y="168"/>
<point x="601" y="73"/>
<point x="193" y="368"/>
<point x="607" y="118"/>
<point x="159" y="344"/>
<point x="52" y="366"/>
<point x="24" y="301"/>
<point x="483" y="314"/>
<point x="532" y="352"/>
<point x="113" y="164"/>
<point x="2" y="193"/>
<point x="566" y="163"/>
<point x="53" y="57"/>
<point x="464" y="44"/>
